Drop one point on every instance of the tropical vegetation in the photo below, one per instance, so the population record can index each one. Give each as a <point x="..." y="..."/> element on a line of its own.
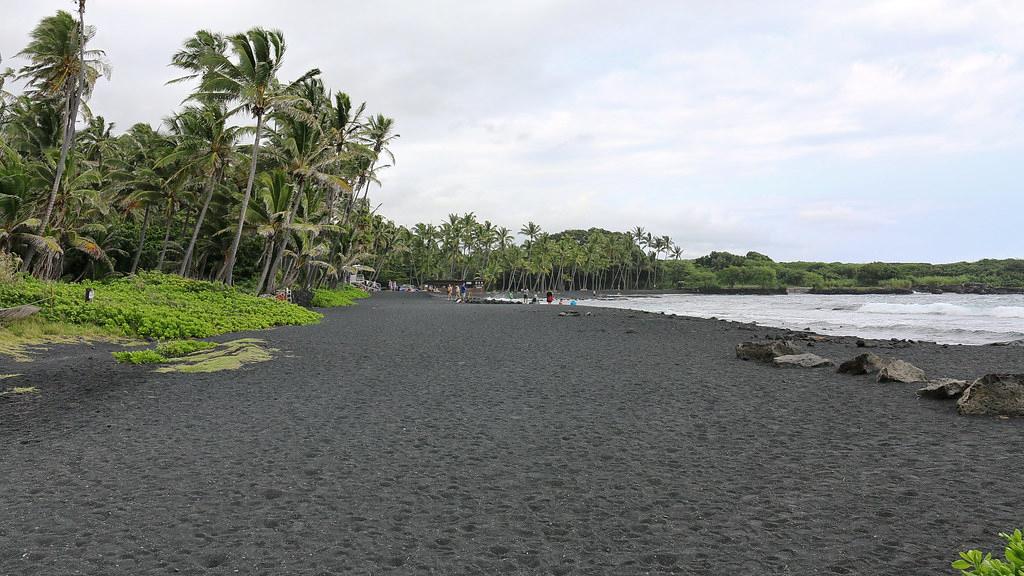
<point x="258" y="181"/>
<point x="154" y="305"/>
<point x="977" y="563"/>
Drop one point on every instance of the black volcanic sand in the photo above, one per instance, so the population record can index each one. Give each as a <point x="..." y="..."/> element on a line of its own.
<point x="407" y="435"/>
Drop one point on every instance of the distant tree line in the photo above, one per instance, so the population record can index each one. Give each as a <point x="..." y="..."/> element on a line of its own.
<point x="723" y="269"/>
<point x="464" y="248"/>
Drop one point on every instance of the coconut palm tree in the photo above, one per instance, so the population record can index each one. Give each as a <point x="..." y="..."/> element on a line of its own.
<point x="378" y="135"/>
<point x="249" y="81"/>
<point x="61" y="68"/>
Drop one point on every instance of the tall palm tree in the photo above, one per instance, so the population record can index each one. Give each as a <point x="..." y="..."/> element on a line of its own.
<point x="60" y="67"/>
<point x="250" y="81"/>
<point x="378" y="137"/>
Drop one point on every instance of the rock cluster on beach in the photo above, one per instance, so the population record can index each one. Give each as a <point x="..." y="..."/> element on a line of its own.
<point x="991" y="395"/>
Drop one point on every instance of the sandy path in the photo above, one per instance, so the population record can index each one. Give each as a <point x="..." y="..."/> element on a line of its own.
<point x="410" y="436"/>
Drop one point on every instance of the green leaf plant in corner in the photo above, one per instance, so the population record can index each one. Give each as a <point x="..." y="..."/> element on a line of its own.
<point x="976" y="563"/>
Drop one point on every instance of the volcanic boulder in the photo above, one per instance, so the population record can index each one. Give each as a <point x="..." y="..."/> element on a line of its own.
<point x="863" y="364"/>
<point x="994" y="395"/>
<point x="801" y="361"/>
<point x="765" y="351"/>
<point x="943" y="389"/>
<point x="900" y="371"/>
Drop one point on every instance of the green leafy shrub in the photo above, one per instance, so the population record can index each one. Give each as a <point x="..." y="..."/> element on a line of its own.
<point x="178" y="348"/>
<point x="975" y="563"/>
<point x="139" y="357"/>
<point x="344" y="296"/>
<point x="155" y="305"/>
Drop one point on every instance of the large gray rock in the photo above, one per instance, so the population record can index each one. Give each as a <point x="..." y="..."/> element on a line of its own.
<point x="802" y="361"/>
<point x="943" y="389"/>
<point x="994" y="395"/>
<point x="863" y="364"/>
<point x="764" y="351"/>
<point x="895" y="370"/>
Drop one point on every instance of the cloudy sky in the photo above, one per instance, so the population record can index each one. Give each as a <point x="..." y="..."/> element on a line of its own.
<point x="826" y="130"/>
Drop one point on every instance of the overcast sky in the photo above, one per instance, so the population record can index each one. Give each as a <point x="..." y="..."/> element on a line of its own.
<point x="856" y="131"/>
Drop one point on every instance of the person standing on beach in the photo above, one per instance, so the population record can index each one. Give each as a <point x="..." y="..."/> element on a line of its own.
<point x="551" y="297"/>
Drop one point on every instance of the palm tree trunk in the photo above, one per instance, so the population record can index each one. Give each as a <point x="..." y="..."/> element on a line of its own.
<point x="142" y="241"/>
<point x="167" y="236"/>
<point x="268" y="253"/>
<point x="199" y="224"/>
<point x="229" y="264"/>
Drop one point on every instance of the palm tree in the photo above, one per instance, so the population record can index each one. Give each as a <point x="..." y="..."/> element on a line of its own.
<point x="17" y="227"/>
<point x="60" y="67"/>
<point x="309" y="156"/>
<point x="250" y="81"/>
<point x="205" y="144"/>
<point x="378" y="136"/>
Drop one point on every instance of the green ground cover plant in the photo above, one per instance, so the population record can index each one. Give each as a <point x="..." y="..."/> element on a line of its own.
<point x="977" y="563"/>
<point x="155" y="305"/>
<point x="344" y="296"/>
<point x="178" y="348"/>
<point x="199" y="356"/>
<point x="139" y="357"/>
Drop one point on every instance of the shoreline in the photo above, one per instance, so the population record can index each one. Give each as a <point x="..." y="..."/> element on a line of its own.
<point x="405" y="434"/>
<point x="923" y="326"/>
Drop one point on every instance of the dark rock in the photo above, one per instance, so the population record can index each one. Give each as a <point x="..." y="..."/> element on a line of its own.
<point x="863" y="364"/>
<point x="943" y="389"/>
<point x="764" y="351"/>
<point x="994" y="395"/>
<point x="802" y="361"/>
<point x="303" y="297"/>
<point x="861" y="343"/>
<point x="896" y="370"/>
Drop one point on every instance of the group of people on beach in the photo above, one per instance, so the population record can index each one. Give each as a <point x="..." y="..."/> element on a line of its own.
<point x="549" y="298"/>
<point x="457" y="292"/>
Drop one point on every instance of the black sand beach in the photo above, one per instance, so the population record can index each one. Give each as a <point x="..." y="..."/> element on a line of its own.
<point x="410" y="436"/>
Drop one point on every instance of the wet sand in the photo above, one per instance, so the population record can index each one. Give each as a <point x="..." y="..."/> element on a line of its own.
<point x="407" y="435"/>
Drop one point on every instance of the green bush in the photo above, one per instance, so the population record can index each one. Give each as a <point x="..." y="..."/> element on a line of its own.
<point x="139" y="357"/>
<point x="177" y="348"/>
<point x="154" y="305"/>
<point x="975" y="563"/>
<point x="896" y="283"/>
<point x="935" y="281"/>
<point x="344" y="296"/>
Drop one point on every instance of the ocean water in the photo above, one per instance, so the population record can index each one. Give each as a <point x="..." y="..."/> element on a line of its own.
<point x="942" y="318"/>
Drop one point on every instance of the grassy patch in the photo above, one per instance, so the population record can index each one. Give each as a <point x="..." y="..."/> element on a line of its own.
<point x="20" y="337"/>
<point x="331" y="298"/>
<point x="154" y="305"/>
<point x="139" y="357"/>
<point x="18" y="390"/>
<point x="178" y="348"/>
<point x="198" y="356"/>
<point x="227" y="356"/>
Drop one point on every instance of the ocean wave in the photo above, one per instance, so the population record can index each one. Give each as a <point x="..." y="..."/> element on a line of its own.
<point x="943" y="309"/>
